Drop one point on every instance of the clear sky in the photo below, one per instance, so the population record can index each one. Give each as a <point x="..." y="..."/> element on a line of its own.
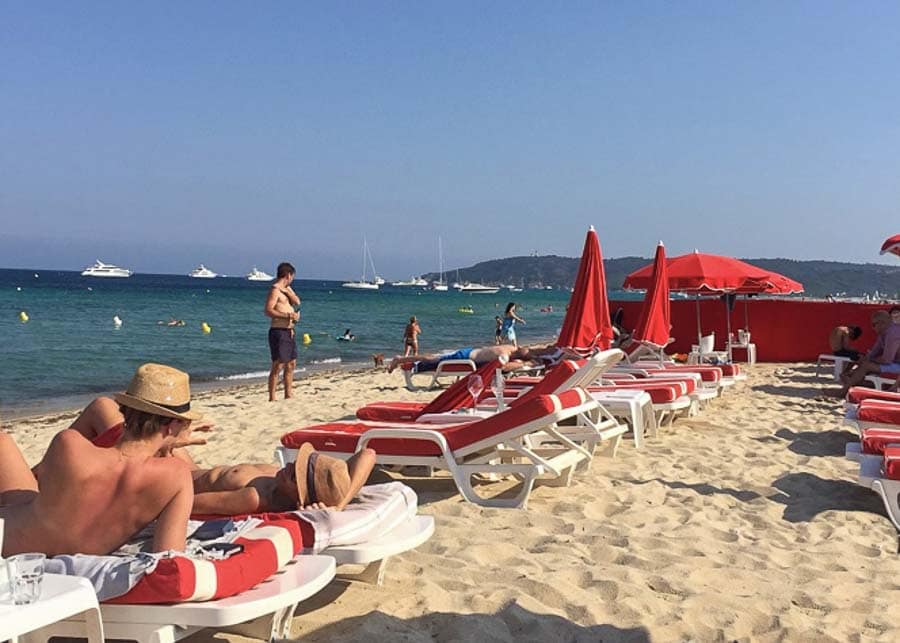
<point x="160" y="135"/>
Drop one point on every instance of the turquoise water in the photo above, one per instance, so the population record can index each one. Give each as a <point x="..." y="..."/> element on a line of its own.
<point x="70" y="346"/>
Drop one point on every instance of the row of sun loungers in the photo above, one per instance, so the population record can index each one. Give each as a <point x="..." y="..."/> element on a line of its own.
<point x="543" y="430"/>
<point x="875" y="415"/>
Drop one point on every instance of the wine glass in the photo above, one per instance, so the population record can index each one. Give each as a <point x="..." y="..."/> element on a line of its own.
<point x="476" y="386"/>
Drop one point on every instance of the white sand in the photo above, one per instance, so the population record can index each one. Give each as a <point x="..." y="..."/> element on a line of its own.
<point x="742" y="523"/>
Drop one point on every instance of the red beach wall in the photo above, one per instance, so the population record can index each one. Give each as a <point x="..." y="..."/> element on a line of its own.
<point x="784" y="330"/>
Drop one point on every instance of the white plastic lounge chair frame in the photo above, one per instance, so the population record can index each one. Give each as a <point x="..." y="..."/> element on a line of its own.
<point x="506" y="453"/>
<point x="264" y="611"/>
<point x="881" y="383"/>
<point x="870" y="476"/>
<point x="836" y="361"/>
<point x="442" y="371"/>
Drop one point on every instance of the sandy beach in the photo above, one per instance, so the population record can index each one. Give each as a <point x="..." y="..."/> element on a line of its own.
<point x="742" y="523"/>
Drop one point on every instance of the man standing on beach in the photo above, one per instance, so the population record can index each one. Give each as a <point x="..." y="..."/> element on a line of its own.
<point x="282" y="344"/>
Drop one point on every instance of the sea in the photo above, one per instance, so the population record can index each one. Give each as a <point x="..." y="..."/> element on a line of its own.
<point x="70" y="350"/>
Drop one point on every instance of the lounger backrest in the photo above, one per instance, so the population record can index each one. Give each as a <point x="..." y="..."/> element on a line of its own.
<point x="457" y="394"/>
<point x="520" y="420"/>
<point x="553" y="381"/>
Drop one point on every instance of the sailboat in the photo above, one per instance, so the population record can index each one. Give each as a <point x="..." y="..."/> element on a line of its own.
<point x="440" y="285"/>
<point x="362" y="284"/>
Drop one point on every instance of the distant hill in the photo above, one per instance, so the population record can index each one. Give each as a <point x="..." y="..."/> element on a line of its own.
<point x="820" y="278"/>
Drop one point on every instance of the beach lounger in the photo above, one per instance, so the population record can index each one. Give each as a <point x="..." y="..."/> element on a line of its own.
<point x="882" y="475"/>
<point x="514" y="442"/>
<point x="883" y="381"/>
<point x="455" y="397"/>
<point x="265" y="611"/>
<point x="448" y="369"/>
<point x="837" y="362"/>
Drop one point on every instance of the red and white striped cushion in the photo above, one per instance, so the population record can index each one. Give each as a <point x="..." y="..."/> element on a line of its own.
<point x="859" y="393"/>
<point x="874" y="441"/>
<point x="267" y="548"/>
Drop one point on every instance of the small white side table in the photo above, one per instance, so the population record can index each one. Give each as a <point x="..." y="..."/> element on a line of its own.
<point x="749" y="347"/>
<point x="61" y="597"/>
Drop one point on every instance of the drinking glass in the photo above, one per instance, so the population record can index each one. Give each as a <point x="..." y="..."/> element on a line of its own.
<point x="26" y="571"/>
<point x="498" y="385"/>
<point x="476" y="386"/>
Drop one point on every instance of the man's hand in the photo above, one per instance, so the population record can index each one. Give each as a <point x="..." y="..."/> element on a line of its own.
<point x="186" y="438"/>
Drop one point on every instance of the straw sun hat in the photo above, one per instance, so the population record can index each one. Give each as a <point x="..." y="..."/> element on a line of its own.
<point x="160" y="390"/>
<point x="321" y="478"/>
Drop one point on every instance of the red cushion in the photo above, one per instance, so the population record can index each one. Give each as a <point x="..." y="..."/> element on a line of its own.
<point x="390" y="411"/>
<point x="707" y="373"/>
<point x="892" y="463"/>
<point x="342" y="437"/>
<point x="878" y="411"/>
<point x="688" y="384"/>
<point x="659" y="394"/>
<point x="859" y="393"/>
<point x="267" y="548"/>
<point x="874" y="441"/>
<point x="549" y="384"/>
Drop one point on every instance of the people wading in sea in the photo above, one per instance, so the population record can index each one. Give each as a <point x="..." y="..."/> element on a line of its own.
<point x="282" y="343"/>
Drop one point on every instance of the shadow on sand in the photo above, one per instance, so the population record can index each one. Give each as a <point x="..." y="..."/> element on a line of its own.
<point x="814" y="443"/>
<point x="805" y="496"/>
<point x="789" y="391"/>
<point x="704" y="489"/>
<point x="511" y="623"/>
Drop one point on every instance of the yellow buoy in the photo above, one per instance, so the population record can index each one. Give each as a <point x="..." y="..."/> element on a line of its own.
<point x="307" y="339"/>
<point x="23" y="316"/>
<point x="206" y="328"/>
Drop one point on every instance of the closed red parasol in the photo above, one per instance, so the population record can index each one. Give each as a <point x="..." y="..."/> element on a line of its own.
<point x="891" y="245"/>
<point x="587" y="326"/>
<point x="653" y="324"/>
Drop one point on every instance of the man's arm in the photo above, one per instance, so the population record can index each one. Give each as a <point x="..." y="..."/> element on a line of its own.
<point x="171" y="526"/>
<point x="228" y="503"/>
<point x="291" y="296"/>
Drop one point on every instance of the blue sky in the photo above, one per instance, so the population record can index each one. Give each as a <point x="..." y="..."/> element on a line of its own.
<point x="159" y="135"/>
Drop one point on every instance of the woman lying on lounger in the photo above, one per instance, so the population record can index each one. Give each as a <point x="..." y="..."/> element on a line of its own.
<point x="315" y="481"/>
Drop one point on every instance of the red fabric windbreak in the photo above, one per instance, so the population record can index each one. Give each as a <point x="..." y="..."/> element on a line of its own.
<point x="587" y="325"/>
<point x="456" y="396"/>
<point x="109" y="437"/>
<point x="859" y="393"/>
<point x="784" y="330"/>
<point x="879" y="412"/>
<point x="892" y="463"/>
<point x="653" y="324"/>
<point x="874" y="441"/>
<point x="174" y="579"/>
<point x="659" y="394"/>
<point x="342" y="437"/>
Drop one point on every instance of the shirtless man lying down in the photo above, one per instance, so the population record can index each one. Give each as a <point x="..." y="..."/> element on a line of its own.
<point x="246" y="487"/>
<point x="91" y="500"/>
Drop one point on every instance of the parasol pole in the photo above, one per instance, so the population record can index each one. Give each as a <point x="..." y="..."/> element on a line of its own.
<point x="728" y="328"/>
<point x="699" y="332"/>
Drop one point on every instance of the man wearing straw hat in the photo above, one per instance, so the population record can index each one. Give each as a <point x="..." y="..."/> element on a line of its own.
<point x="313" y="481"/>
<point x="92" y="500"/>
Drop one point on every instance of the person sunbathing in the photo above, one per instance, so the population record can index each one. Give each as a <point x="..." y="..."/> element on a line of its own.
<point x="313" y="481"/>
<point x="92" y="500"/>
<point x="245" y="487"/>
<point x="480" y="356"/>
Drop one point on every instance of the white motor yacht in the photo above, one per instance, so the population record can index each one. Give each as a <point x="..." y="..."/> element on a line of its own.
<point x="479" y="289"/>
<point x="202" y="272"/>
<point x="258" y="275"/>
<point x="100" y="269"/>
<point x="413" y="281"/>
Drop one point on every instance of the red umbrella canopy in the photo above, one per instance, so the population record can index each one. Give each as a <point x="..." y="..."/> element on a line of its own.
<point x="653" y="324"/>
<point x="703" y="273"/>
<point x="773" y="284"/>
<point x="891" y="245"/>
<point x="587" y="326"/>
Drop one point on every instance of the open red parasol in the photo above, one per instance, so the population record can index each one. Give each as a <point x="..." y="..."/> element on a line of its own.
<point x="653" y="324"/>
<point x="892" y="245"/>
<point x="587" y="326"/>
